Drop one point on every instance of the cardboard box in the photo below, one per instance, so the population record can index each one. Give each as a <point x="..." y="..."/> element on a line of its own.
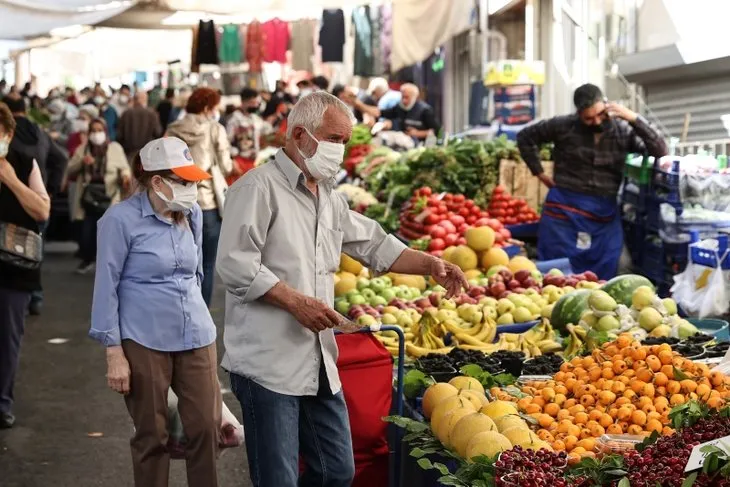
<point x="520" y="183"/>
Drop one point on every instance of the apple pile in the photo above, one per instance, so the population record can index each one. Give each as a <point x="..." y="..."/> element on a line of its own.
<point x="509" y="210"/>
<point x="559" y="280"/>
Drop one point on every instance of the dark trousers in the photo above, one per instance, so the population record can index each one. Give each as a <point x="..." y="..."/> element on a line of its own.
<point x="37" y="296"/>
<point x="192" y="375"/>
<point x="88" y="237"/>
<point x="211" y="231"/>
<point x="13" y="305"/>
<point x="280" y="428"/>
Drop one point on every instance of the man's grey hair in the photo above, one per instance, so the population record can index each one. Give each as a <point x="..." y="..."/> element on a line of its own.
<point x="309" y="111"/>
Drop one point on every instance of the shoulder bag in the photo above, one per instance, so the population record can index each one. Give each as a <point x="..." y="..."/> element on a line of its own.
<point x="95" y="199"/>
<point x="20" y="247"/>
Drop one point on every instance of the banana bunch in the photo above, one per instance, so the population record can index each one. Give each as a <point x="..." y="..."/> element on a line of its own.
<point x="578" y="336"/>
<point x="544" y="336"/>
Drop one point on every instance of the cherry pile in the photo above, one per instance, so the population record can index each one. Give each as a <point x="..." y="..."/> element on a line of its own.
<point x="520" y="467"/>
<point x="662" y="464"/>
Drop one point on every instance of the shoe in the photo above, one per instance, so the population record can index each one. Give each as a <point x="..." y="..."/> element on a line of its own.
<point x="7" y="421"/>
<point x="85" y="268"/>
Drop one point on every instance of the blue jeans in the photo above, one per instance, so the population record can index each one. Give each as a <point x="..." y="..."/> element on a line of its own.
<point x="211" y="231"/>
<point x="278" y="428"/>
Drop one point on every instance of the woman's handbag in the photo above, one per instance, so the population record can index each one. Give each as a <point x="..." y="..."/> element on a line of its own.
<point x="20" y="247"/>
<point x="95" y="199"/>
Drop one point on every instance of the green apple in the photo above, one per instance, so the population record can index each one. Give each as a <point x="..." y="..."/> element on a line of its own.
<point x="362" y="283"/>
<point x="506" y="319"/>
<point x="366" y="320"/>
<point x="378" y="301"/>
<point x="357" y="299"/>
<point x="388" y="293"/>
<point x="490" y="312"/>
<point x="368" y="293"/>
<point x="438" y="289"/>
<point x="607" y="323"/>
<point x="342" y="306"/>
<point x="405" y="320"/>
<point x="537" y="275"/>
<point x="377" y="284"/>
<point x="387" y="280"/>
<point x="555" y="272"/>
<point x="505" y="306"/>
<point x="447" y="304"/>
<point x="484" y="282"/>
<point x="389" y="319"/>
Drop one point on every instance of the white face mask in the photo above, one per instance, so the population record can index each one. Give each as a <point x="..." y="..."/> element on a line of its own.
<point x="326" y="160"/>
<point x="216" y="116"/>
<point x="99" y="100"/>
<point x="305" y="92"/>
<point x="4" y="147"/>
<point x="123" y="99"/>
<point x="97" y="138"/>
<point x="183" y="198"/>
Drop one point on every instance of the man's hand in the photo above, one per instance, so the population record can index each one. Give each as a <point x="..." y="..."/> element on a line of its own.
<point x="546" y="180"/>
<point x="88" y="160"/>
<point x="314" y="315"/>
<point x="620" y="111"/>
<point x="7" y="172"/>
<point x="118" y="373"/>
<point x="55" y="135"/>
<point x="449" y="276"/>
<point x="387" y="124"/>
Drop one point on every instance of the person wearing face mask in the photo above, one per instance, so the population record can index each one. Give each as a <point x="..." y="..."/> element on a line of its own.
<point x="122" y="99"/>
<point x="24" y="204"/>
<point x="61" y="126"/>
<point x="102" y="174"/>
<point x="149" y="313"/>
<point x="211" y="152"/>
<point x="245" y="128"/>
<point x="580" y="216"/>
<point x="137" y="126"/>
<point x="412" y="116"/>
<point x="80" y="126"/>
<point x="283" y="231"/>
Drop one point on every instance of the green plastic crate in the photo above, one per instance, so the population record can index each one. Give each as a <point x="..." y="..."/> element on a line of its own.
<point x="639" y="172"/>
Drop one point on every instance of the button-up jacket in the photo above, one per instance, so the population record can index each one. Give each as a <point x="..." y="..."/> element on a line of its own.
<point x="275" y="228"/>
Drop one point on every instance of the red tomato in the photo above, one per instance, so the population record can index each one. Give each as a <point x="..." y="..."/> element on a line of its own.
<point x="459" y="198"/>
<point x="471" y="219"/>
<point x="433" y="218"/>
<point x="457" y="220"/>
<point x="476" y="211"/>
<point x="451" y="239"/>
<point x="461" y="241"/>
<point x="437" y="232"/>
<point x="436" y="244"/>
<point x="425" y="191"/>
<point x="498" y="237"/>
<point x="464" y="212"/>
<point x="510" y="212"/>
<point x="484" y="214"/>
<point x="448" y="197"/>
<point x="463" y="228"/>
<point x="506" y="234"/>
<point x="499" y="213"/>
<point x="450" y="227"/>
<point x="495" y="224"/>
<point x="510" y="220"/>
<point x="469" y="203"/>
<point x="433" y="201"/>
<point x="482" y="222"/>
<point x="499" y="189"/>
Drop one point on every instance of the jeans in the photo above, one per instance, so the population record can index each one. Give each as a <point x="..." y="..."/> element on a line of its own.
<point x="211" y="231"/>
<point x="12" y="324"/>
<point x="88" y="237"/>
<point x="279" y="428"/>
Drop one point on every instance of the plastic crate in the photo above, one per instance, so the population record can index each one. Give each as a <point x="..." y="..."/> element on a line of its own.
<point x="652" y="260"/>
<point x="654" y="219"/>
<point x="635" y="195"/>
<point x="562" y="265"/>
<point x="708" y="258"/>
<point x="523" y="230"/>
<point x="640" y="173"/>
<point x="634" y="236"/>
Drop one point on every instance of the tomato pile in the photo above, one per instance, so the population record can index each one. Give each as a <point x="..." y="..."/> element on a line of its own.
<point x="509" y="210"/>
<point x="443" y="219"/>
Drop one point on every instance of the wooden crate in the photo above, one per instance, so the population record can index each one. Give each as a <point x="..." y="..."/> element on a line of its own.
<point x="520" y="183"/>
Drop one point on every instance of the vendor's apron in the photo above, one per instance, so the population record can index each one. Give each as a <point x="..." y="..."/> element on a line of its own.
<point x="586" y="229"/>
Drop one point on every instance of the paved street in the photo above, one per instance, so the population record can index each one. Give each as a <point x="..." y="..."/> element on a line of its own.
<point x="62" y="397"/>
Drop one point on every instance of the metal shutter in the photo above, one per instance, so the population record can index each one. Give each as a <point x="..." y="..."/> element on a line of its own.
<point x="705" y="99"/>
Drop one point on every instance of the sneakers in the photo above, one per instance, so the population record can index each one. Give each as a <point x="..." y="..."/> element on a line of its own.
<point x="7" y="420"/>
<point x="85" y="268"/>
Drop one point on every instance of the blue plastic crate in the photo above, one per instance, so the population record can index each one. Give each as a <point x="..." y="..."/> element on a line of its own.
<point x="634" y="236"/>
<point x="523" y="230"/>
<point x="709" y="258"/>
<point x="512" y="250"/>
<point x="668" y="180"/>
<point x="635" y="195"/>
<point x="562" y="265"/>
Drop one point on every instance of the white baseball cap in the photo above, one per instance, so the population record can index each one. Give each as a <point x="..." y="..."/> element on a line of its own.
<point x="171" y="153"/>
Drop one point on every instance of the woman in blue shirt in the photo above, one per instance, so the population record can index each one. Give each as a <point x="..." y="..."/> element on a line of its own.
<point x="149" y="312"/>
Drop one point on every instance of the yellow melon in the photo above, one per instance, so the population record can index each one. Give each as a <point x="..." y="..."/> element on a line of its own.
<point x="477" y="399"/>
<point x="468" y="383"/>
<point x="448" y="422"/>
<point x="349" y="264"/>
<point x="494" y="257"/>
<point x="344" y="286"/>
<point x="446" y="406"/>
<point x="464" y="257"/>
<point x="434" y="395"/>
<point x="499" y="408"/>
<point x="480" y="238"/>
<point x="509" y="421"/>
<point x="519" y="436"/>
<point x="487" y="443"/>
<point x="521" y="263"/>
<point x="467" y="427"/>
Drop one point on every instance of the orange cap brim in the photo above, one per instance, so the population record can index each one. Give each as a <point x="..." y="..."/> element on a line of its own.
<point x="191" y="173"/>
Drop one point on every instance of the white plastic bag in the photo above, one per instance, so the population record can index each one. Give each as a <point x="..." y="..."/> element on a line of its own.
<point x="702" y="291"/>
<point x="231" y="433"/>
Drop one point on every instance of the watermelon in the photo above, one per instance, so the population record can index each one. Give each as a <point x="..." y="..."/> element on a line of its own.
<point x="569" y="308"/>
<point x="621" y="288"/>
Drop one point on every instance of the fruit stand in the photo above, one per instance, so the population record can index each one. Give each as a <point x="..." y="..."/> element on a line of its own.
<point x="535" y="375"/>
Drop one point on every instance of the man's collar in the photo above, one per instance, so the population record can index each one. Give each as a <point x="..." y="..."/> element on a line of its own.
<point x="287" y="166"/>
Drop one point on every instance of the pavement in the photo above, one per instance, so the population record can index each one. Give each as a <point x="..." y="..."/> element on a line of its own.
<point x="71" y="430"/>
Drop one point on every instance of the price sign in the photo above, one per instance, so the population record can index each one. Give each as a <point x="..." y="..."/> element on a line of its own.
<point x="697" y="457"/>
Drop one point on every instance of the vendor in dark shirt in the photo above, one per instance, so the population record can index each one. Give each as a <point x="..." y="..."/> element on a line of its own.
<point x="580" y="216"/>
<point x="412" y="116"/>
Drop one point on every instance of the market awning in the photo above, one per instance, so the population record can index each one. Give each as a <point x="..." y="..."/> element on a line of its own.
<point x="22" y="19"/>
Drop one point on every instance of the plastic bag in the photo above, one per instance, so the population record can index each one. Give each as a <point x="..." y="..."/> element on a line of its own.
<point x="231" y="433"/>
<point x="702" y="291"/>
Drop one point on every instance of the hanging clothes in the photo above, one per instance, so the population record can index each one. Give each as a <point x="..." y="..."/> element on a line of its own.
<point x="376" y="28"/>
<point x="230" y="46"/>
<point x="302" y="45"/>
<point x="276" y="40"/>
<point x="194" y="64"/>
<point x="364" y="63"/>
<point x="242" y="31"/>
<point x="255" y="48"/>
<point x="386" y="35"/>
<point x="207" y="51"/>
<point x="332" y="35"/>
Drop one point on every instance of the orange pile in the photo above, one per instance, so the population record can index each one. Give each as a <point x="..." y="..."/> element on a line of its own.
<point x="621" y="388"/>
